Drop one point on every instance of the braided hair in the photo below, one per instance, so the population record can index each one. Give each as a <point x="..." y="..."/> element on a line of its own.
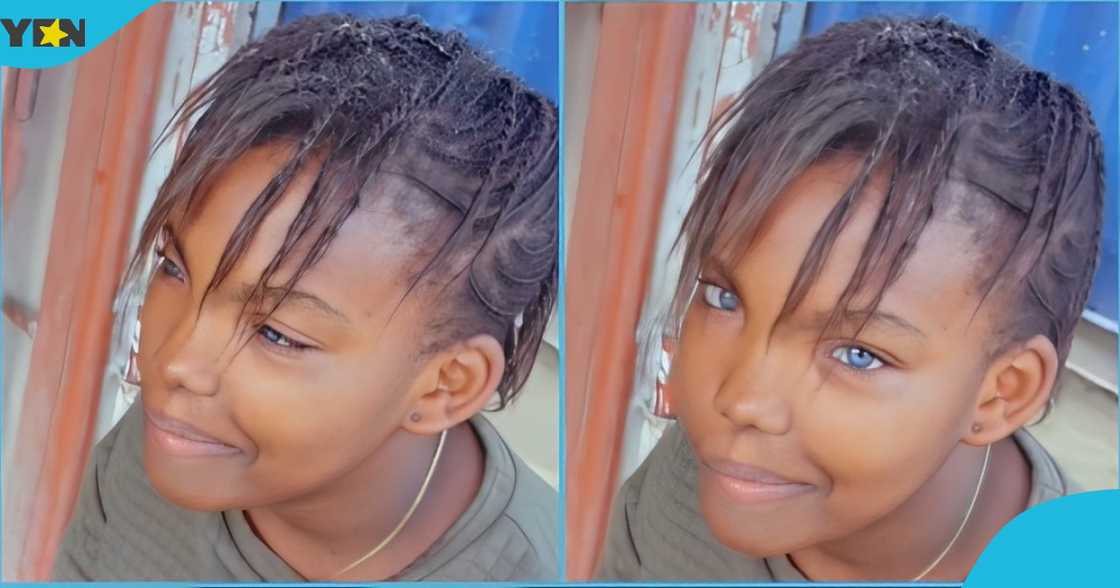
<point x="365" y="99"/>
<point x="962" y="127"/>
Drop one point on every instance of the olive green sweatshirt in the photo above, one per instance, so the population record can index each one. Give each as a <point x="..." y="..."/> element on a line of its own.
<point x="658" y="533"/>
<point x="123" y="530"/>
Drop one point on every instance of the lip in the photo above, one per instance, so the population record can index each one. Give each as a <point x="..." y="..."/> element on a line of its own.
<point x="750" y="484"/>
<point x="181" y="439"/>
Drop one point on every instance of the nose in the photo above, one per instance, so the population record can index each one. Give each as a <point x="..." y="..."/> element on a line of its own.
<point x="191" y="358"/>
<point x="755" y="393"/>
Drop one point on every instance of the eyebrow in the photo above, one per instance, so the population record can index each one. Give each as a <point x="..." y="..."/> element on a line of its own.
<point x="820" y="319"/>
<point x="245" y="293"/>
<point x="879" y="318"/>
<point x="718" y="264"/>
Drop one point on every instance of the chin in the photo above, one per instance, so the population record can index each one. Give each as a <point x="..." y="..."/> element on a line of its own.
<point x="751" y="545"/>
<point x="752" y="538"/>
<point x="190" y="496"/>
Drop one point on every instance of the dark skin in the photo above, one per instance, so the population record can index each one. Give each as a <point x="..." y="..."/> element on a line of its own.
<point x="873" y="441"/>
<point x="321" y="421"/>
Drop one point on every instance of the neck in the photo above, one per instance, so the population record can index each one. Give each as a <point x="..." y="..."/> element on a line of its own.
<point x="903" y="543"/>
<point x="319" y="534"/>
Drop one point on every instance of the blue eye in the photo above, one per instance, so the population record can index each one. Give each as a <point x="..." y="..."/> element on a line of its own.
<point x="857" y="358"/>
<point x="719" y="298"/>
<point x="276" y="338"/>
<point x="168" y="267"/>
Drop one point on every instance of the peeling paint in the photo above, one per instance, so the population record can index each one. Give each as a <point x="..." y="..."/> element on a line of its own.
<point x="228" y="11"/>
<point x="216" y="35"/>
<point x="743" y="28"/>
<point x="744" y="13"/>
<point x="715" y="17"/>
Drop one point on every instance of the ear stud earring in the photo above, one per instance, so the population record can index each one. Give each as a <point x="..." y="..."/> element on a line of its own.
<point x="976" y="428"/>
<point x="414" y="417"/>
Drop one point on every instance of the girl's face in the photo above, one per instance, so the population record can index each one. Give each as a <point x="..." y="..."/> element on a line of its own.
<point x="280" y="409"/>
<point x="802" y="441"/>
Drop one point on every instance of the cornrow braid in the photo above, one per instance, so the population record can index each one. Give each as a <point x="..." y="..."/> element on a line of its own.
<point x="365" y="99"/>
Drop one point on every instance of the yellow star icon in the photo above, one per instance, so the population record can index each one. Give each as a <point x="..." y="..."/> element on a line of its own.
<point x="52" y="34"/>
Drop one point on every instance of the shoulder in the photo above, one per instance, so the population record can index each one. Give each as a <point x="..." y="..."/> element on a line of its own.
<point x="1048" y="480"/>
<point x="657" y="531"/>
<point x="510" y="533"/>
<point x="620" y="559"/>
<point x="532" y="518"/>
<point x="121" y="529"/>
<point x="635" y="538"/>
<point x="79" y="551"/>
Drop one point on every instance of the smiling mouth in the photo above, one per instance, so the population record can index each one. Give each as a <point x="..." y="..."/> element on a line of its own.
<point x="751" y="485"/>
<point x="180" y="439"/>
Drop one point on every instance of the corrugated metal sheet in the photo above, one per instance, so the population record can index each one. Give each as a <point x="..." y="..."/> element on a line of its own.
<point x="1077" y="42"/>
<point x="521" y="36"/>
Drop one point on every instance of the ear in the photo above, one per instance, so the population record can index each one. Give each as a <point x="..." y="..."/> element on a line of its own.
<point x="1016" y="388"/>
<point x="455" y="385"/>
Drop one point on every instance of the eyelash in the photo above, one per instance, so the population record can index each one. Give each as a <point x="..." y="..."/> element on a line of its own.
<point x="707" y="288"/>
<point x="167" y="267"/>
<point x="837" y="353"/>
<point x="271" y="338"/>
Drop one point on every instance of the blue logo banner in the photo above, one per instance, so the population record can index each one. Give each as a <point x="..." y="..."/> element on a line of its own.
<point x="1070" y="541"/>
<point x="46" y="33"/>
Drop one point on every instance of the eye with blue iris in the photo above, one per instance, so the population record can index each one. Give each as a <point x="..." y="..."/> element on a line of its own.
<point x="168" y="267"/>
<point x="278" y="339"/>
<point x="857" y="358"/>
<point x="718" y="298"/>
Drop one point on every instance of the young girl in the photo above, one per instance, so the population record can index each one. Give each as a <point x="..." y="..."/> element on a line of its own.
<point x="355" y="252"/>
<point x="893" y="239"/>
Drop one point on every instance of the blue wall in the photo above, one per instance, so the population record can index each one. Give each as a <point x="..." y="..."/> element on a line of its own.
<point x="1077" y="42"/>
<point x="521" y="36"/>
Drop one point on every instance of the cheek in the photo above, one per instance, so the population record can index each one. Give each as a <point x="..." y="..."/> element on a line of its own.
<point x="879" y="443"/>
<point x="693" y="382"/>
<point x="159" y="314"/>
<point x="700" y="364"/>
<point x="327" y="410"/>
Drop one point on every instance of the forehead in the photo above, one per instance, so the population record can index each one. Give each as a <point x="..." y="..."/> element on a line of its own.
<point x="936" y="286"/>
<point x="369" y="261"/>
